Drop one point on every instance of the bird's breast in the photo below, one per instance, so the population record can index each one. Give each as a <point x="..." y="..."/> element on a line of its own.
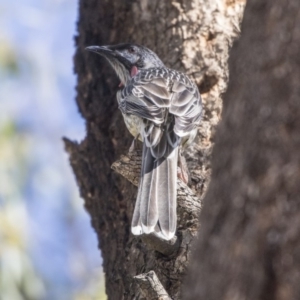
<point x="133" y="124"/>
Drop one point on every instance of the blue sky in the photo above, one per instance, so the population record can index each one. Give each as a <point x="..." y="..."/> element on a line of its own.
<point x="37" y="97"/>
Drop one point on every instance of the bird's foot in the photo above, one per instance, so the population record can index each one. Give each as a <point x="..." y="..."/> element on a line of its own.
<point x="132" y="147"/>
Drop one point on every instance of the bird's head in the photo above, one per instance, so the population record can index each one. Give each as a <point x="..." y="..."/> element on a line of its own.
<point x="128" y="59"/>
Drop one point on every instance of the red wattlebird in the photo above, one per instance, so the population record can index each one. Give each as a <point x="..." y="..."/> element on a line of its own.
<point x="162" y="107"/>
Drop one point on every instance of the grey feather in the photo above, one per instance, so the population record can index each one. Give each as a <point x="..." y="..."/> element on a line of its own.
<point x="167" y="184"/>
<point x="159" y="91"/>
<point x="148" y="197"/>
<point x="182" y="98"/>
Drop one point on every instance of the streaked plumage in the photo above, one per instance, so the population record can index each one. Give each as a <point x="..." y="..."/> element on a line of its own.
<point x="163" y="107"/>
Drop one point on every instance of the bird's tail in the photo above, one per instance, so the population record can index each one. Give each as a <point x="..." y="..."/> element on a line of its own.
<point x="155" y="208"/>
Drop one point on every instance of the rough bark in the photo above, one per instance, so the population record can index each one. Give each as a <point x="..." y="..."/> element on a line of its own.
<point x="249" y="244"/>
<point x="190" y="36"/>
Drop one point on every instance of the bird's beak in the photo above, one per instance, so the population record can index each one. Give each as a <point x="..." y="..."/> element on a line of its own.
<point x="102" y="50"/>
<point x="115" y="57"/>
<point x="110" y="53"/>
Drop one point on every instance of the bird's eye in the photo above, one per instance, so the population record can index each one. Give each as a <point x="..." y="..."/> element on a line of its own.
<point x="131" y="50"/>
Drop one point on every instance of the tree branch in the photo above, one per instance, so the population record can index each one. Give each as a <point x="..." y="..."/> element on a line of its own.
<point x="151" y="287"/>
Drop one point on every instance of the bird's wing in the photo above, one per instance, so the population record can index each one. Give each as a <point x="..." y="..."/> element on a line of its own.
<point x="149" y="94"/>
<point x="186" y="105"/>
<point x="146" y="99"/>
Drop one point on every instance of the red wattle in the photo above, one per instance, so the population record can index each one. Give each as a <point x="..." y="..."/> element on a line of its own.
<point x="134" y="71"/>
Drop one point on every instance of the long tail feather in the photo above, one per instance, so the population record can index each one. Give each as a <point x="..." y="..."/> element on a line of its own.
<point x="156" y="201"/>
<point x="145" y="212"/>
<point x="167" y="184"/>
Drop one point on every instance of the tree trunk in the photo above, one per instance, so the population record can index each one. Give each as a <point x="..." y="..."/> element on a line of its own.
<point x="190" y="36"/>
<point x="249" y="242"/>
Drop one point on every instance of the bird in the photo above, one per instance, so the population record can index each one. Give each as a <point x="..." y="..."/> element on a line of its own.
<point x="161" y="107"/>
